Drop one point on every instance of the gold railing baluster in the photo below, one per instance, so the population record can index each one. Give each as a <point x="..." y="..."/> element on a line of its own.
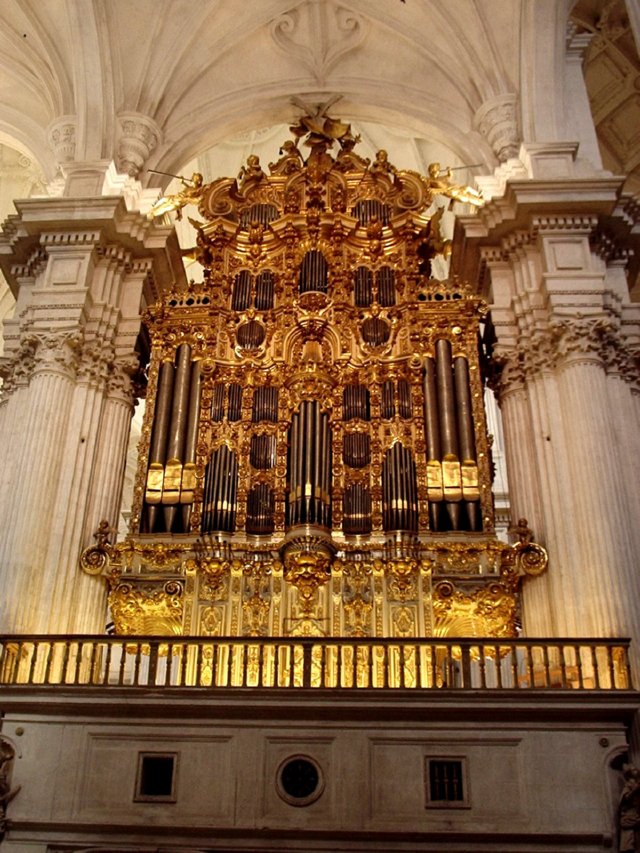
<point x="380" y="663"/>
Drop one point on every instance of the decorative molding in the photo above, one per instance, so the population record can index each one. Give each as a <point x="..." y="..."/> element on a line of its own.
<point x="574" y="223"/>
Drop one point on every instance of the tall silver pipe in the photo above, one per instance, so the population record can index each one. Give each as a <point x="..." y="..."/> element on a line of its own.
<point x="191" y="438"/>
<point x="158" y="445"/>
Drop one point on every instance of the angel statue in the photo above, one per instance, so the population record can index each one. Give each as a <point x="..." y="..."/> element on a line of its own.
<point x="440" y="182"/>
<point x="190" y="195"/>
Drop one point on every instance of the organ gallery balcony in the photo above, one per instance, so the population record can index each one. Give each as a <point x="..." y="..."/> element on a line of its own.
<point x="338" y="664"/>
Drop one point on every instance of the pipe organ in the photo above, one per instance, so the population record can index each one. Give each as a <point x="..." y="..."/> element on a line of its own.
<point x="314" y="457"/>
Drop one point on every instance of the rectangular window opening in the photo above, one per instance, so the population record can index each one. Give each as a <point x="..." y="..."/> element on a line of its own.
<point x="156" y="780"/>
<point x="446" y="783"/>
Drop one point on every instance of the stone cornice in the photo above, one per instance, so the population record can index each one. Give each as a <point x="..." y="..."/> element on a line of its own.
<point x="69" y="221"/>
<point x="523" y="202"/>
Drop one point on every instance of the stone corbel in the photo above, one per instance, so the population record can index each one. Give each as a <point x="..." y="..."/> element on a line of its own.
<point x="139" y="136"/>
<point x="61" y="136"/>
<point x="497" y="121"/>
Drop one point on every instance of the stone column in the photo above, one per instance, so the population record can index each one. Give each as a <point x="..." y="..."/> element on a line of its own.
<point x="567" y="336"/>
<point x="35" y="444"/>
<point x="67" y="402"/>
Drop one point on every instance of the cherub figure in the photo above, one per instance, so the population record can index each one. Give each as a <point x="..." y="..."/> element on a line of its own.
<point x="439" y="181"/>
<point x="190" y="195"/>
<point x="252" y="171"/>
<point x="522" y="531"/>
<point x="381" y="165"/>
<point x="290" y="161"/>
<point x="347" y="160"/>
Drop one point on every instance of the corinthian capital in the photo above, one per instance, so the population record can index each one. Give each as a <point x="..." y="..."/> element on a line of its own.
<point x="584" y="338"/>
<point x="61" y="135"/>
<point x="123" y="380"/>
<point x="508" y="374"/>
<point x="56" y="352"/>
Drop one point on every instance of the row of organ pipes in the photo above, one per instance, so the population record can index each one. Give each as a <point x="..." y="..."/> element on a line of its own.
<point x="258" y="291"/>
<point x="452" y="489"/>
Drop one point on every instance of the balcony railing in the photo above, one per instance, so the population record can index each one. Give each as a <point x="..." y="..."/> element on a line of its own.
<point x="320" y="663"/>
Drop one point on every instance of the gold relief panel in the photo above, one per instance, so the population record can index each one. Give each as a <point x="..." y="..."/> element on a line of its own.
<point x="402" y="580"/>
<point x="147" y="608"/>
<point x="487" y="611"/>
<point x="212" y="621"/>
<point x="404" y="621"/>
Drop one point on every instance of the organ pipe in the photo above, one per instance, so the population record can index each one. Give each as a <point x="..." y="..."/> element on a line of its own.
<point x="313" y="272"/>
<point x="470" y="486"/>
<point x="221" y="483"/>
<point x="309" y="466"/>
<point x="399" y="490"/>
<point x="191" y="439"/>
<point x="176" y="435"/>
<point x="385" y="280"/>
<point x="158" y="447"/>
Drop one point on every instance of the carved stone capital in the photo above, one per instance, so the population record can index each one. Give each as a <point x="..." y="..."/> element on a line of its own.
<point x="94" y="360"/>
<point x="539" y="354"/>
<point x="507" y="375"/>
<point x="61" y="136"/>
<point x="139" y="135"/>
<point x="56" y="352"/>
<point x="497" y="121"/>
<point x="16" y="369"/>
<point x="124" y="381"/>
<point x="583" y="338"/>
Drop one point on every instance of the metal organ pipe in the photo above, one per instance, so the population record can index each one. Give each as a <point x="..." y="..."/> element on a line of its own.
<point x="466" y="432"/>
<point x="191" y="440"/>
<point x="446" y="398"/>
<point x="157" y="449"/>
<point x="432" y="430"/>
<point x="448" y="432"/>
<point x="309" y="466"/>
<point x="399" y="489"/>
<point x="176" y="435"/>
<point x="465" y="417"/>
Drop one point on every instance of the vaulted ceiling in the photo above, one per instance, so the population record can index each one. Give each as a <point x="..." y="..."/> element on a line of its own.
<point x="206" y="70"/>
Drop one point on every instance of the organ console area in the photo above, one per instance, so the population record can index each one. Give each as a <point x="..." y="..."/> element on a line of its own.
<point x="315" y="457"/>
